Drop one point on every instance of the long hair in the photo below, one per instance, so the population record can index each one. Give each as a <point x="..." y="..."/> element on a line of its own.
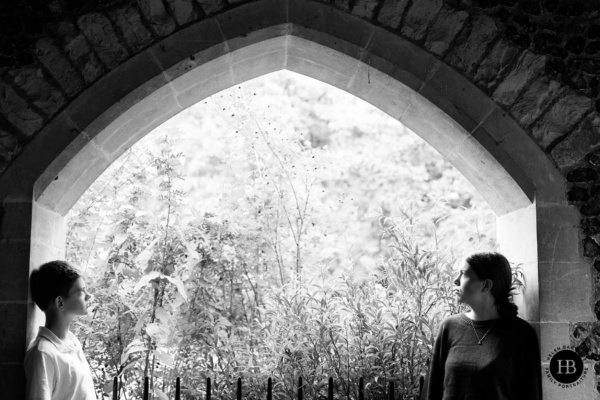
<point x="494" y="266"/>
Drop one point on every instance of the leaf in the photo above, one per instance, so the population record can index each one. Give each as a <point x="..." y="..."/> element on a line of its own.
<point x="119" y="239"/>
<point x="163" y="316"/>
<point x="140" y="323"/>
<point x="180" y="286"/>
<point x="158" y="332"/>
<point x="160" y="394"/>
<point x="164" y="357"/>
<point x="145" y="279"/>
<point x="142" y="259"/>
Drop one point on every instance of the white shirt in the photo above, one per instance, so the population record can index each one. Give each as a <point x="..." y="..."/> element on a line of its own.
<point x="57" y="369"/>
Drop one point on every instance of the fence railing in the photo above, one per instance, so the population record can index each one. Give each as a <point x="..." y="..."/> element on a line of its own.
<point x="330" y="392"/>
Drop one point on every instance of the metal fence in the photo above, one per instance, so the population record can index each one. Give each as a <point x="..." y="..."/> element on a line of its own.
<point x="330" y="392"/>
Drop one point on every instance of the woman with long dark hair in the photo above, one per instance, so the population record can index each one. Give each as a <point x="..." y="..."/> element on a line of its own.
<point x="489" y="352"/>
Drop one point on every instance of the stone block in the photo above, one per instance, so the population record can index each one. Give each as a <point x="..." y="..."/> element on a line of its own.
<point x="16" y="110"/>
<point x="528" y="67"/>
<point x="457" y="97"/>
<point x="325" y="25"/>
<point x="129" y="22"/>
<point x="443" y="31"/>
<point x="478" y="160"/>
<point x="258" y="65"/>
<point x="189" y="48"/>
<point x="140" y="119"/>
<point x="39" y="90"/>
<point x="157" y="16"/>
<point x="433" y="125"/>
<point x="183" y="11"/>
<point x="566" y="291"/>
<point x="211" y="7"/>
<point x="418" y="18"/>
<point x="552" y="336"/>
<point x="391" y="12"/>
<point x="48" y="227"/>
<point x="41" y="253"/>
<point x="9" y="145"/>
<point x="535" y="100"/>
<point x="14" y="272"/>
<point x="550" y="185"/>
<point x="364" y="8"/>
<point x="326" y="61"/>
<point x="381" y="90"/>
<point x="401" y="59"/>
<point x="342" y="4"/>
<point x="251" y="18"/>
<point x="204" y="85"/>
<point x="12" y="335"/>
<point x="98" y="30"/>
<point x="560" y="119"/>
<point x="79" y="52"/>
<point x="16" y="221"/>
<point x="58" y="66"/>
<point x="558" y="233"/>
<point x="470" y="46"/>
<point x="519" y="248"/>
<point x="582" y="141"/>
<point x="135" y="75"/>
<point x="199" y="69"/>
<point x="12" y="380"/>
<point x="521" y="197"/>
<point x="497" y="64"/>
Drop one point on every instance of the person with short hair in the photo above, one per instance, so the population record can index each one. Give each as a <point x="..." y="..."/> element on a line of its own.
<point x="489" y="352"/>
<point x="55" y="366"/>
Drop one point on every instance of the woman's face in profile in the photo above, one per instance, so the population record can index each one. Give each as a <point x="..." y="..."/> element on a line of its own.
<point x="469" y="286"/>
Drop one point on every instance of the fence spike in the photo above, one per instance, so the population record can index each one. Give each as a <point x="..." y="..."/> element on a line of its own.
<point x="116" y="388"/>
<point x="239" y="389"/>
<point x="330" y="389"/>
<point x="421" y="383"/>
<point x="300" y="394"/>
<point x="145" y="396"/>
<point x="269" y="389"/>
<point x="361" y="389"/>
<point x="207" y="388"/>
<point x="178" y="389"/>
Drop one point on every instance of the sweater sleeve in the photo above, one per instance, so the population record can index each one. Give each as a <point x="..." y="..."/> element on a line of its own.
<point x="434" y="385"/>
<point x="528" y="371"/>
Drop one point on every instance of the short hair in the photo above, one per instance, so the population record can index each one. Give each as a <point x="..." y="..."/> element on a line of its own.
<point x="50" y="280"/>
<point x="494" y="266"/>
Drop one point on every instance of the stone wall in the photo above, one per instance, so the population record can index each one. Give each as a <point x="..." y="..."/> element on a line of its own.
<point x="539" y="61"/>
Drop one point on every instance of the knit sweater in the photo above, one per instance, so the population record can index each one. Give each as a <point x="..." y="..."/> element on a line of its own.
<point x="505" y="366"/>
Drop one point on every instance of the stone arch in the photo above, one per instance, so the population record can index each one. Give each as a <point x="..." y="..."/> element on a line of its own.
<point x="412" y="75"/>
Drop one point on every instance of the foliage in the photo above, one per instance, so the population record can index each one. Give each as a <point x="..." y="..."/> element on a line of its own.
<point x="280" y="251"/>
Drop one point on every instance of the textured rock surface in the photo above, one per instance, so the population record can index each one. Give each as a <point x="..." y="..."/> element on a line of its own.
<point x="157" y="16"/>
<point x="561" y="118"/>
<point x="528" y="67"/>
<point x="418" y="18"/>
<point x="586" y="138"/>
<point x="98" y="30"/>
<point x="445" y="28"/>
<point x="535" y="100"/>
<point x="471" y="48"/>
<point x="42" y="93"/>
<point x="391" y="12"/>
<point x="129" y="21"/>
<point x="17" y="112"/>
<point x="59" y="66"/>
